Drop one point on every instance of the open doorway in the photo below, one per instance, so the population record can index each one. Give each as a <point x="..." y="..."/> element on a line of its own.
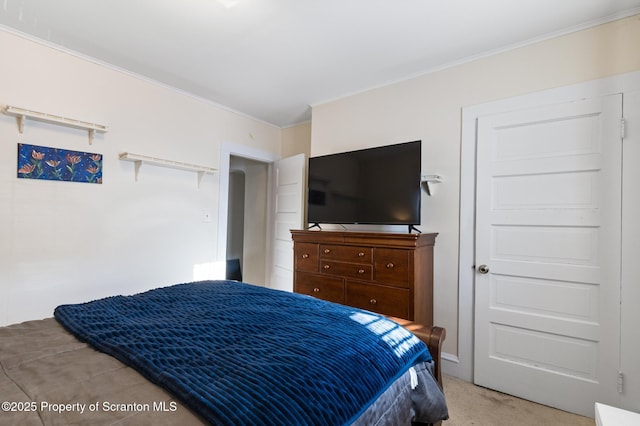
<point x="247" y="212"/>
<point x="244" y="226"/>
<point x="235" y="219"/>
<point x="272" y="205"/>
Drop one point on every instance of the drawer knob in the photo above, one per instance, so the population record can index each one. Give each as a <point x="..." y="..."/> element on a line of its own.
<point x="361" y="271"/>
<point x="361" y="254"/>
<point x="373" y="301"/>
<point x="316" y="290"/>
<point x="326" y="266"/>
<point x="390" y="265"/>
<point x="327" y="251"/>
<point x="305" y="256"/>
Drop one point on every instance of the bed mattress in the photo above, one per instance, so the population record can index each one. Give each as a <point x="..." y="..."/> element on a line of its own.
<point x="49" y="377"/>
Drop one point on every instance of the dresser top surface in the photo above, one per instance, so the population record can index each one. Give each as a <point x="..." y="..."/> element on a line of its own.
<point x="364" y="238"/>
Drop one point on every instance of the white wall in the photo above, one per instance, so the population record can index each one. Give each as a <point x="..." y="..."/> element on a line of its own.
<point x="64" y="242"/>
<point x="429" y="108"/>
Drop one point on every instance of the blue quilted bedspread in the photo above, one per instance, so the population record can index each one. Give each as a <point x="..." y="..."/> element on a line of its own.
<point x="242" y="354"/>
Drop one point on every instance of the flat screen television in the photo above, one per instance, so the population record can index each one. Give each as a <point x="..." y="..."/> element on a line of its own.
<point x="378" y="185"/>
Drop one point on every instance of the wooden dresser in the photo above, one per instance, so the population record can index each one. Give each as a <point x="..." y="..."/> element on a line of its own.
<point x="388" y="273"/>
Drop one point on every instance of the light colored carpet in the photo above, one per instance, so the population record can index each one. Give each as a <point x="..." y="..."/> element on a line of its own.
<point x="474" y="405"/>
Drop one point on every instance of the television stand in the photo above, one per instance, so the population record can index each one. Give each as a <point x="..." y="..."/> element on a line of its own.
<point x="315" y="225"/>
<point x="412" y="228"/>
<point x="386" y="272"/>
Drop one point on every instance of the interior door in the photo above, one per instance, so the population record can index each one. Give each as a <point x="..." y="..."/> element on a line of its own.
<point x="630" y="293"/>
<point x="288" y="213"/>
<point x="548" y="212"/>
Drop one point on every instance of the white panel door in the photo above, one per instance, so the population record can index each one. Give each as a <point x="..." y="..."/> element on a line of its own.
<point x="630" y="329"/>
<point x="548" y="238"/>
<point x="288" y="206"/>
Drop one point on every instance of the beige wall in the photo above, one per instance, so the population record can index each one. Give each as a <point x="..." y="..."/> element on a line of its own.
<point x="429" y="108"/>
<point x="64" y="242"/>
<point x="296" y="140"/>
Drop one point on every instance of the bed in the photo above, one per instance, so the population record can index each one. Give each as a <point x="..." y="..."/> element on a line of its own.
<point x="219" y="352"/>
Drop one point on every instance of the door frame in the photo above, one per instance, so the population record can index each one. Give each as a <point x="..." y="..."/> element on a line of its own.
<point x="462" y="367"/>
<point x="227" y="149"/>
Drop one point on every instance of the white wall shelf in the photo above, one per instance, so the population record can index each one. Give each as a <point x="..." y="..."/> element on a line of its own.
<point x="138" y="159"/>
<point x="22" y="114"/>
<point x="427" y="182"/>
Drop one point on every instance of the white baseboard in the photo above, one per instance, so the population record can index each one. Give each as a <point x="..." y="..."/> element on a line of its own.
<point x="451" y="365"/>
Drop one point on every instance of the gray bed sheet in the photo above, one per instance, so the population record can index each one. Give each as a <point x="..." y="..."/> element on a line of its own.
<point x="49" y="377"/>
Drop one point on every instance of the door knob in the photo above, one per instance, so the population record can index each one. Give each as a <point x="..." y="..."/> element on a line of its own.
<point x="483" y="269"/>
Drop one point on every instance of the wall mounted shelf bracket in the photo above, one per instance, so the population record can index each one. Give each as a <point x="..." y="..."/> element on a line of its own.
<point x="138" y="159"/>
<point x="22" y="114"/>
<point x="427" y="182"/>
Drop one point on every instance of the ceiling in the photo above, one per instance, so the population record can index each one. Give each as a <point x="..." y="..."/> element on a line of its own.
<point x="274" y="59"/>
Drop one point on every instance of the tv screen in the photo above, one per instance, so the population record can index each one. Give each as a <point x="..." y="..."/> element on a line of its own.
<point x="370" y="186"/>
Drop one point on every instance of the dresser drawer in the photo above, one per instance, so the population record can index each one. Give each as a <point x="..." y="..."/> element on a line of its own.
<point x="326" y="288"/>
<point x="347" y="270"/>
<point x="306" y="257"/>
<point x="384" y="300"/>
<point x="391" y="266"/>
<point x="387" y="272"/>
<point x="345" y="253"/>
